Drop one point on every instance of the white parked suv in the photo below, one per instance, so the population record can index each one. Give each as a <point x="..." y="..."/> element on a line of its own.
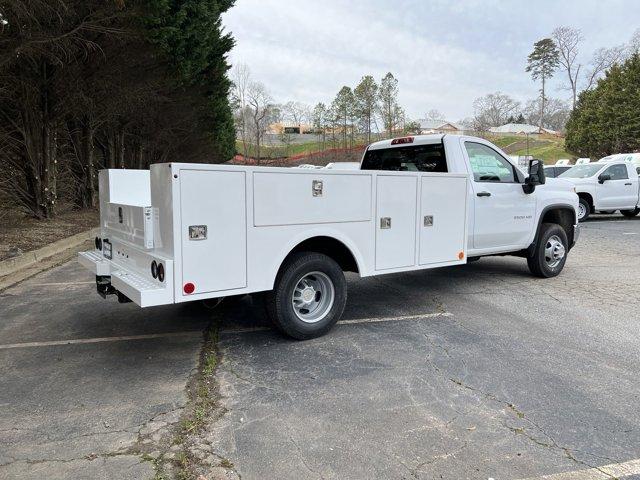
<point x="606" y="186"/>
<point x="184" y="232"/>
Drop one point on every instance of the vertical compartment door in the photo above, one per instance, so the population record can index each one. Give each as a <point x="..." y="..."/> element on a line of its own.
<point x="443" y="217"/>
<point x="214" y="256"/>
<point x="396" y="221"/>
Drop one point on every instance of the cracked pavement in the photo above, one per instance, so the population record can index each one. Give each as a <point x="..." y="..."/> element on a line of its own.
<point x="525" y="377"/>
<point x="86" y="411"/>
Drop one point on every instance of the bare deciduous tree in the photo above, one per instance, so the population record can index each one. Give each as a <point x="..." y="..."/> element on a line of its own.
<point x="260" y="106"/>
<point x="493" y="110"/>
<point x="603" y="59"/>
<point x="241" y="77"/>
<point x="435" y="115"/>
<point x="568" y="42"/>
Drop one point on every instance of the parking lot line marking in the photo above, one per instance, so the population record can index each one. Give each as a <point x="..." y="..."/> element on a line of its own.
<point x="53" y="284"/>
<point x="77" y="341"/>
<point x="352" y="321"/>
<point x="605" y="472"/>
<point x="395" y="319"/>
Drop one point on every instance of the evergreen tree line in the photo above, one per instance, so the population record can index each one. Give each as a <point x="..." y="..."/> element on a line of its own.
<point x="606" y="119"/>
<point x="91" y="84"/>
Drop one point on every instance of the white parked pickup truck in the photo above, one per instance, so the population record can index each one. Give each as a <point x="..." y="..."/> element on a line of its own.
<point x="606" y="186"/>
<point x="184" y="232"/>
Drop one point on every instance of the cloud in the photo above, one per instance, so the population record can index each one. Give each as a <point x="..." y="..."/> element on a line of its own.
<point x="444" y="54"/>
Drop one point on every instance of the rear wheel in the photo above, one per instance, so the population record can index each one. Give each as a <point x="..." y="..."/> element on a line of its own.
<point x="630" y="213"/>
<point x="584" y="210"/>
<point x="550" y="253"/>
<point x="309" y="296"/>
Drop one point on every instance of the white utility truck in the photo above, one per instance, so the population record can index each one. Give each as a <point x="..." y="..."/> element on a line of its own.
<point x="606" y="186"/>
<point x="184" y="232"/>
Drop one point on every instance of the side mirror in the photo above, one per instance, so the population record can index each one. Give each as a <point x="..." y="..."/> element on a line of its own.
<point x="603" y="177"/>
<point x="536" y="176"/>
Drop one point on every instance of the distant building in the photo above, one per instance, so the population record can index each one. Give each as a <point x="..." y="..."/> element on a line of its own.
<point x="439" y="126"/>
<point x="280" y="128"/>
<point x="522" y="129"/>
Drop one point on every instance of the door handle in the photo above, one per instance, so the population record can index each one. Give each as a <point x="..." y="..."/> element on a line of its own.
<point x="628" y="184"/>
<point x="484" y="194"/>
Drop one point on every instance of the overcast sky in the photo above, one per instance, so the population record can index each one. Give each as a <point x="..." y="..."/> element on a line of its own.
<point x="444" y="53"/>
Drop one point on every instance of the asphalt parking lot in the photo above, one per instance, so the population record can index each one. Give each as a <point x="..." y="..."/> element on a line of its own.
<point x="480" y="371"/>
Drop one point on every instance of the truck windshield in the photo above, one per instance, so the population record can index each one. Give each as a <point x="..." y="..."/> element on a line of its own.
<point x="414" y="158"/>
<point x="582" y="171"/>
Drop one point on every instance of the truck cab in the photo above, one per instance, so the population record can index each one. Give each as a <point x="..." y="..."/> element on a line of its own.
<point x="606" y="186"/>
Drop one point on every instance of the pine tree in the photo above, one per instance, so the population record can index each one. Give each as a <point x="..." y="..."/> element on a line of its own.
<point x="542" y="63"/>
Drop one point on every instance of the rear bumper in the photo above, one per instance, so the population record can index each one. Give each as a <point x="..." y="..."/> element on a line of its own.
<point x="115" y="278"/>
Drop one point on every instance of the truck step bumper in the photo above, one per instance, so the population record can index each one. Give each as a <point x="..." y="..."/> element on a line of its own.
<point x="113" y="279"/>
<point x="95" y="262"/>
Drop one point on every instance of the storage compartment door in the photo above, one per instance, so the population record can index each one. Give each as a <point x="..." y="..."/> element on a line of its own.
<point x="214" y="200"/>
<point x="443" y="217"/>
<point x="396" y="221"/>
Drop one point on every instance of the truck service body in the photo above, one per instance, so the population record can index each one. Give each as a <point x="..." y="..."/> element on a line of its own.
<point x="185" y="232"/>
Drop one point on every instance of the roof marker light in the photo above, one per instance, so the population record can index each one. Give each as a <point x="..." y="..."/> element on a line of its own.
<point x="400" y="141"/>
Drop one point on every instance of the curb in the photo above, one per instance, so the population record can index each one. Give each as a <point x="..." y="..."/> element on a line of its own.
<point x="17" y="267"/>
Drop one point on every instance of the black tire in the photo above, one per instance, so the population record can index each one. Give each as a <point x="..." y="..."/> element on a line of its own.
<point x="538" y="263"/>
<point x="279" y="301"/>
<point x="587" y="209"/>
<point x="630" y="213"/>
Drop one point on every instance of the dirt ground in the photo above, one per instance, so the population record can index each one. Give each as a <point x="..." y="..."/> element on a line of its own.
<point x="17" y="230"/>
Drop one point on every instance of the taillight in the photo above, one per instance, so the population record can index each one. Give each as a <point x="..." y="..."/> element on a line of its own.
<point x="400" y="141"/>
<point x="98" y="242"/>
<point x="154" y="269"/>
<point x="189" y="288"/>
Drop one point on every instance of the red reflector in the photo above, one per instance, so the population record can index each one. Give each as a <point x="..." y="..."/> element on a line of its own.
<point x="189" y="288"/>
<point x="398" y="141"/>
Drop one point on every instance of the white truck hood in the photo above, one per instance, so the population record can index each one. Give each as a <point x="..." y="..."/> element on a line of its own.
<point x="577" y="181"/>
<point x="559" y="184"/>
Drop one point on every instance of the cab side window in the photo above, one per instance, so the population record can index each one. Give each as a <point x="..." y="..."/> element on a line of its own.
<point x="617" y="172"/>
<point x="488" y="165"/>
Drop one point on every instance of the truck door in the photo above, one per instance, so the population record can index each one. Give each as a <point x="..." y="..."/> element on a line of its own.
<point x="503" y="214"/>
<point x="620" y="191"/>
<point x="396" y="221"/>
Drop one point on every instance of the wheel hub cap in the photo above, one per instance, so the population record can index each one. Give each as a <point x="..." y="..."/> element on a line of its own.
<point x="581" y="211"/>
<point x="554" y="251"/>
<point x="313" y="297"/>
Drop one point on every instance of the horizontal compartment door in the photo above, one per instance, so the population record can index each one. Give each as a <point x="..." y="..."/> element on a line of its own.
<point x="283" y="198"/>
<point x="213" y="201"/>
<point x="443" y="217"/>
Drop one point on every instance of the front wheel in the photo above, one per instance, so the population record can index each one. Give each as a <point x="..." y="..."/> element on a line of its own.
<point x="584" y="210"/>
<point x="630" y="213"/>
<point x="550" y="253"/>
<point x="308" y="297"/>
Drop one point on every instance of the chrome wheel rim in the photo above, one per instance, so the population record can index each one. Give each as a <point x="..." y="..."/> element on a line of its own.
<point x="554" y="251"/>
<point x="582" y="211"/>
<point x="313" y="297"/>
